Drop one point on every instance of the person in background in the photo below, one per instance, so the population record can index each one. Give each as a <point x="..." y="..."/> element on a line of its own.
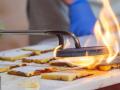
<point x="42" y="14"/>
<point x="13" y="17"/>
<point x="70" y="15"/>
<point x="82" y="19"/>
<point x="46" y="15"/>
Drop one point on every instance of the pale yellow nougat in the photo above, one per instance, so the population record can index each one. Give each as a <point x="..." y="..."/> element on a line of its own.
<point x="14" y="55"/>
<point x="4" y="68"/>
<point x="40" y="59"/>
<point x="66" y="75"/>
<point x="38" y="49"/>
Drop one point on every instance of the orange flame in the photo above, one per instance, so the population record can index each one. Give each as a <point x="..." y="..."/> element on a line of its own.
<point x="55" y="50"/>
<point x="86" y="61"/>
<point x="106" y="30"/>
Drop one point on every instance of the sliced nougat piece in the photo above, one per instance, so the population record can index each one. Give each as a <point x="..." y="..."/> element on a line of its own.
<point x="4" y="68"/>
<point x="65" y="75"/>
<point x="73" y="61"/>
<point x="115" y="64"/>
<point x="108" y="67"/>
<point x="14" y="55"/>
<point x="12" y="64"/>
<point x="43" y="58"/>
<point x="61" y="63"/>
<point x="29" y="71"/>
<point x="59" y="76"/>
<point x="38" y="49"/>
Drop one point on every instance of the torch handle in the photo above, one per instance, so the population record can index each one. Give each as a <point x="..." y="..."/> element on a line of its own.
<point x="58" y="33"/>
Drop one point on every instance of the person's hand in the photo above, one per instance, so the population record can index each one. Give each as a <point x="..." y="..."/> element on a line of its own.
<point x="68" y="1"/>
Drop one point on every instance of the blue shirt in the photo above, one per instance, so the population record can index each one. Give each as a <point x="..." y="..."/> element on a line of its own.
<point x="82" y="19"/>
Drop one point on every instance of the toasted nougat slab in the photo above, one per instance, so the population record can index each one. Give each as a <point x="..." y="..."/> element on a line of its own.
<point x="14" y="55"/>
<point x="43" y="58"/>
<point x="59" y="76"/>
<point x="73" y="61"/>
<point x="62" y="62"/>
<point x="66" y="75"/>
<point x="38" y="49"/>
<point x="108" y="67"/>
<point x="29" y="71"/>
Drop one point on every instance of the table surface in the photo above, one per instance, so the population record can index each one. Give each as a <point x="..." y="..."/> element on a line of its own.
<point x="10" y="82"/>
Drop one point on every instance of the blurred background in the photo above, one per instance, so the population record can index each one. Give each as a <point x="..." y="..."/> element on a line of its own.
<point x="13" y="16"/>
